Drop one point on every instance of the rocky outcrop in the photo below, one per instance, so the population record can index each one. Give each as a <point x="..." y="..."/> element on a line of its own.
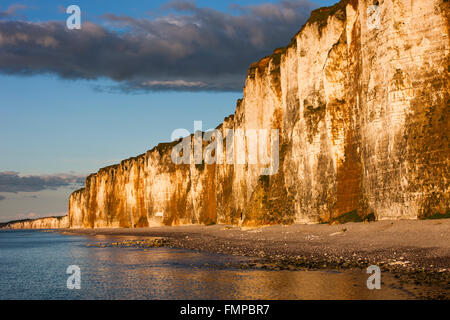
<point x="361" y="102"/>
<point x="43" y="223"/>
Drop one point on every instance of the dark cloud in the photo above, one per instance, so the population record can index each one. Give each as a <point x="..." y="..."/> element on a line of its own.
<point x="186" y="48"/>
<point x="2" y="198"/>
<point x="13" y="182"/>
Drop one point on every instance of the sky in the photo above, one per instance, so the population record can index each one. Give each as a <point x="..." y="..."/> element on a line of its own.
<point x="74" y="101"/>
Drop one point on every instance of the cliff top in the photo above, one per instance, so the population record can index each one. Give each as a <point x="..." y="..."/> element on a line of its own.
<point x="318" y="16"/>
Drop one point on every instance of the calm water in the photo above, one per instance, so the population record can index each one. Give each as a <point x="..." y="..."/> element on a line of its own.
<point x="33" y="266"/>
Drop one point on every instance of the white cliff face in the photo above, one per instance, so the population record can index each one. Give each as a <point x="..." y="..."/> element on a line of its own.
<point x="44" y="223"/>
<point x="363" y="119"/>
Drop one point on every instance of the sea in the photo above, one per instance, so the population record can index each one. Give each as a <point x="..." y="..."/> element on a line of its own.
<point x="47" y="265"/>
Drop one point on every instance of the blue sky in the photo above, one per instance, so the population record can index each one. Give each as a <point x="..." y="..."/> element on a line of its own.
<point x="52" y="126"/>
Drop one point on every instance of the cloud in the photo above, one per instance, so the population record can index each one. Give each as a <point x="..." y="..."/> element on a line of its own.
<point x="179" y="47"/>
<point x="174" y="83"/>
<point x="11" y="12"/>
<point x="13" y="182"/>
<point x="2" y="198"/>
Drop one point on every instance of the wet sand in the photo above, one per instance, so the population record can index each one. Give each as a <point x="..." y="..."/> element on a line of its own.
<point x="414" y="251"/>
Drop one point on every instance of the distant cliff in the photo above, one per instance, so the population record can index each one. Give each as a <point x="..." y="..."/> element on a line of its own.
<point x="362" y="106"/>
<point x="42" y="223"/>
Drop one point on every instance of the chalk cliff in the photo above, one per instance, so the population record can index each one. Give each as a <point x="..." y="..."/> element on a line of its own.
<point x="43" y="223"/>
<point x="361" y="102"/>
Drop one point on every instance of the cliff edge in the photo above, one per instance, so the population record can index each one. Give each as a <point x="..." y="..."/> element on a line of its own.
<point x="42" y="223"/>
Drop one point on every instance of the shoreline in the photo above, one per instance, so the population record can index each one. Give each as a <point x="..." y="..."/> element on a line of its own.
<point x="413" y="250"/>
